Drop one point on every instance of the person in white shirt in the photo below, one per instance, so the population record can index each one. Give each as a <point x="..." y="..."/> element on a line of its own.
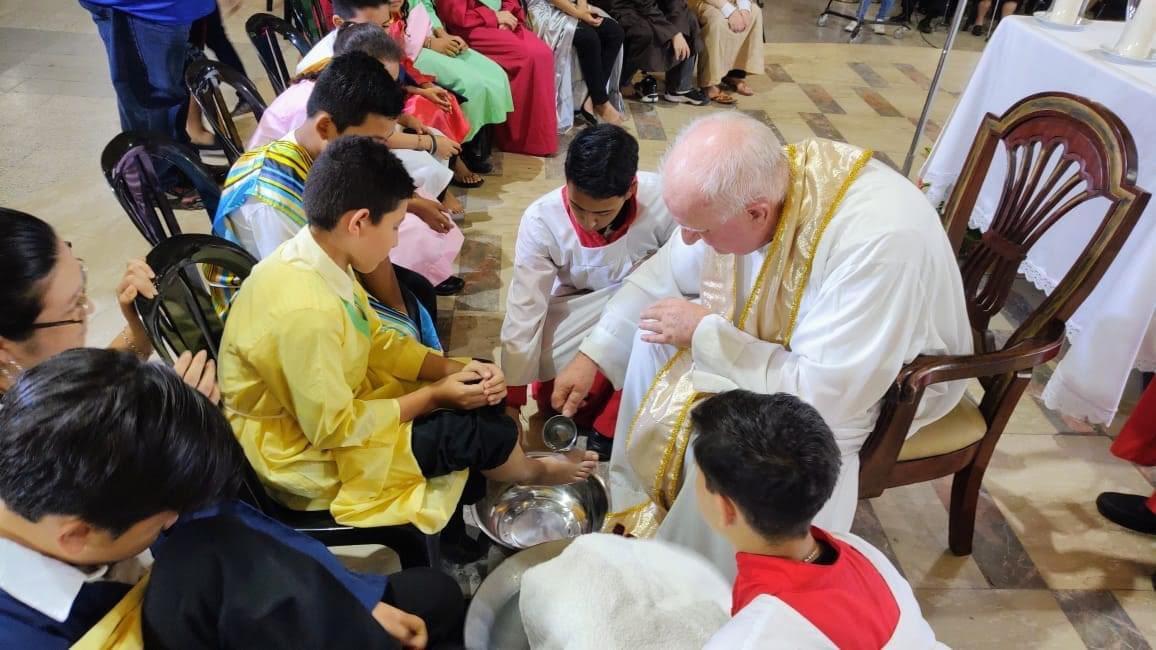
<point x="575" y="246"/>
<point x="816" y="271"/>
<point x="767" y="463"/>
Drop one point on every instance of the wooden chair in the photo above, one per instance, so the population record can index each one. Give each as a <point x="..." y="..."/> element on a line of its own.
<point x="1095" y="156"/>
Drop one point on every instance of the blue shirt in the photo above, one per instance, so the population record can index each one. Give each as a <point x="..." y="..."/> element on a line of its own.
<point x="172" y="12"/>
<point x="24" y="626"/>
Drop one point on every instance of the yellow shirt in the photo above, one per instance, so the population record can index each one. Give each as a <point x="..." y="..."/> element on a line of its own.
<point x="311" y="380"/>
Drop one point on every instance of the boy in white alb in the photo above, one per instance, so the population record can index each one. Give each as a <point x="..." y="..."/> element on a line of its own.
<point x="575" y="246"/>
<point x="767" y="465"/>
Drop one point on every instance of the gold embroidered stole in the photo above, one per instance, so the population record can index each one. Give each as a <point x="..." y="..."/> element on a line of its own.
<point x="820" y="173"/>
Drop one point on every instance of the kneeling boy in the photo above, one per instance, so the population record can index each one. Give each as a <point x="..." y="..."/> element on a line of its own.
<point x="335" y="412"/>
<point x="575" y="246"/>
<point x="767" y="465"/>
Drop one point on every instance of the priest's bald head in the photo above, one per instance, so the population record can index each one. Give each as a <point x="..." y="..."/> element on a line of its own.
<point x="724" y="180"/>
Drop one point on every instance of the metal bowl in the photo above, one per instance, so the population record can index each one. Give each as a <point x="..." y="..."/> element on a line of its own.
<point x="523" y="516"/>
<point x="494" y="619"/>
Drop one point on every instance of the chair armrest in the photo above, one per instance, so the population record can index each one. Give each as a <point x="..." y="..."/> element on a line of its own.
<point x="1024" y="355"/>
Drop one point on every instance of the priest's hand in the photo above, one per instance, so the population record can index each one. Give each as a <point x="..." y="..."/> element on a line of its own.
<point x="573" y="385"/>
<point x="672" y="321"/>
<point x="409" y="630"/>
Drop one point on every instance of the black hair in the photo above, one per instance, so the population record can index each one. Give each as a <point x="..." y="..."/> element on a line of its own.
<point x="347" y="8"/>
<point x="353" y="86"/>
<point x="352" y="173"/>
<point x="773" y="455"/>
<point x="368" y="38"/>
<point x="602" y="161"/>
<point x="27" y="257"/>
<point x="112" y="440"/>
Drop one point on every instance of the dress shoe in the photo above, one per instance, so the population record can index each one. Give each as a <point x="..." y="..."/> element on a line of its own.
<point x="1128" y="510"/>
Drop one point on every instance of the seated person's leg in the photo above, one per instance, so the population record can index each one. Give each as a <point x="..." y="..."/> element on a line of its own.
<point x="433" y="597"/>
<point x="486" y="440"/>
<point x="219" y="583"/>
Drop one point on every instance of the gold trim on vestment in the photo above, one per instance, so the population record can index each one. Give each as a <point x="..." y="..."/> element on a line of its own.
<point x="820" y="171"/>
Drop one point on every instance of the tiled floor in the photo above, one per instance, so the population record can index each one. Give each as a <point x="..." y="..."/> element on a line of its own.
<point x="1047" y="571"/>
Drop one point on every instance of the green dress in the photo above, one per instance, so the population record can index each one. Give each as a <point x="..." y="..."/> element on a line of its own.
<point x="484" y="83"/>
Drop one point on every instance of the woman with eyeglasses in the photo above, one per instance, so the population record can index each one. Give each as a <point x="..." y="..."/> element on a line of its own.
<point x="44" y="304"/>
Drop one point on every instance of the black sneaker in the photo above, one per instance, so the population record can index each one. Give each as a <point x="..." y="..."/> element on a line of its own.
<point x="693" y="97"/>
<point x="598" y="443"/>
<point x="450" y="287"/>
<point x="1128" y="510"/>
<point x="647" y="90"/>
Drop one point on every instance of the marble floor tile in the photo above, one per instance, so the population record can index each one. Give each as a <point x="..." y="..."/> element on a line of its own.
<point x="1141" y="608"/>
<point x="916" y="525"/>
<point x="1100" y="620"/>
<point x="1046" y="486"/>
<point x="997" y="619"/>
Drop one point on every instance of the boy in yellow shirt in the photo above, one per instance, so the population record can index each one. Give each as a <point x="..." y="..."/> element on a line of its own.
<point x="336" y="412"/>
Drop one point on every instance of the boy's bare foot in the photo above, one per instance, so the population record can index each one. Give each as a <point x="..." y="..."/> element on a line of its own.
<point x="608" y="114"/>
<point x="558" y="469"/>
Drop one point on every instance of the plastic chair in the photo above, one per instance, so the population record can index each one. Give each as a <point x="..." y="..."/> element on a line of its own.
<point x="204" y="78"/>
<point x="130" y="162"/>
<point x="182" y="318"/>
<point x="264" y="30"/>
<point x="308" y="17"/>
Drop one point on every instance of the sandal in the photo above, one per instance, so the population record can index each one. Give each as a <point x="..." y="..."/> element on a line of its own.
<point x="723" y="98"/>
<point x="737" y="85"/>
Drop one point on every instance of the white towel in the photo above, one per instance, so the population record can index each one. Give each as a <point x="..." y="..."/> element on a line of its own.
<point x="606" y="591"/>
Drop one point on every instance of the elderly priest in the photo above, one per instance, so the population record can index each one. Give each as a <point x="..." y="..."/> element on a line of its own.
<point x="809" y="269"/>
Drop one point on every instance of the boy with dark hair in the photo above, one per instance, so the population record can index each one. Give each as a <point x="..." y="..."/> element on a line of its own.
<point x="262" y="204"/>
<point x="767" y="464"/>
<point x="100" y="455"/>
<point x="333" y="410"/>
<point x="575" y="246"/>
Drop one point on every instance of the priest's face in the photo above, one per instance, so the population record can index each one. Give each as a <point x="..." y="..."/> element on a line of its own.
<point x="738" y="234"/>
<point x="594" y="214"/>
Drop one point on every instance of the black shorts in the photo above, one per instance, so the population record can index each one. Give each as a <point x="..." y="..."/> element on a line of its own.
<point x="447" y="441"/>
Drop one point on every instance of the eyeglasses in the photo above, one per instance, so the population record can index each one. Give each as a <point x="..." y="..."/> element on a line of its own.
<point x="83" y="308"/>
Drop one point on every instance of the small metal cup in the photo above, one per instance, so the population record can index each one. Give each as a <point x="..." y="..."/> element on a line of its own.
<point x="560" y="433"/>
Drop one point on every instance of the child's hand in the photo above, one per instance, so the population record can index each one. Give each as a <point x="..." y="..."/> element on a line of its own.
<point x="461" y="390"/>
<point x="493" y="380"/>
<point x="409" y="630"/>
<point x="412" y="122"/>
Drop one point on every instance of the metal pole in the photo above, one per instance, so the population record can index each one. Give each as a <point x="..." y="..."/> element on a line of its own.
<point x="956" y="20"/>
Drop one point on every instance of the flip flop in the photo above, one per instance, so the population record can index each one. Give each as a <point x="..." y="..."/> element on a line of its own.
<point x="724" y="98"/>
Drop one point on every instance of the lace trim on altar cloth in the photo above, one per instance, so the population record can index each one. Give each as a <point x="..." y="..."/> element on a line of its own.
<point x="1060" y="398"/>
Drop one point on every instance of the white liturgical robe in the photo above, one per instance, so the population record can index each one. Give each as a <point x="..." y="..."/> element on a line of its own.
<point x="560" y="286"/>
<point x="884" y="287"/>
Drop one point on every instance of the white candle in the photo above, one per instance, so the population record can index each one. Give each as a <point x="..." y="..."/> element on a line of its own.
<point x="1066" y="11"/>
<point x="1136" y="41"/>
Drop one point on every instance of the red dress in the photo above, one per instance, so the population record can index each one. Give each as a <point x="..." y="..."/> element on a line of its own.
<point x="1137" y="440"/>
<point x="532" y="127"/>
<point x="452" y="123"/>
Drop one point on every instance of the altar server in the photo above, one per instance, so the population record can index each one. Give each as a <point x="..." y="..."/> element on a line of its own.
<point x="815" y="271"/>
<point x="767" y="464"/>
<point x="575" y="246"/>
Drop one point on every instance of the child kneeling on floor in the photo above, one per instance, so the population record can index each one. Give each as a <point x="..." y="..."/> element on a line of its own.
<point x="336" y="412"/>
<point x="767" y="465"/>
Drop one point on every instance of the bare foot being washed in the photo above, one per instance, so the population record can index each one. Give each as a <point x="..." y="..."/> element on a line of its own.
<point x="560" y="469"/>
